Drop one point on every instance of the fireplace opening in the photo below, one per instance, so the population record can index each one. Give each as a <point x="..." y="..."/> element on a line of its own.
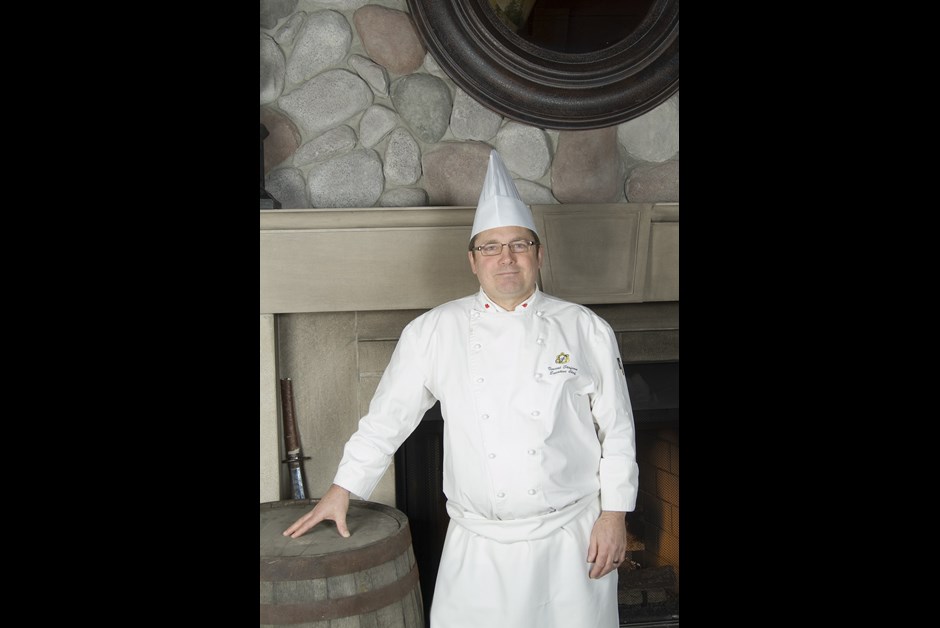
<point x="648" y="589"/>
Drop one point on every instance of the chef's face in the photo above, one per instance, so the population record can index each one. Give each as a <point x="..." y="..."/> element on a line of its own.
<point x="507" y="278"/>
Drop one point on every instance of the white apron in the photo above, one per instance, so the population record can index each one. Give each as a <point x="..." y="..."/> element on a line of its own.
<point x="539" y="579"/>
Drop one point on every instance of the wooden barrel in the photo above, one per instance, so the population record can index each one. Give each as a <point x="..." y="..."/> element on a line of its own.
<point x="322" y="580"/>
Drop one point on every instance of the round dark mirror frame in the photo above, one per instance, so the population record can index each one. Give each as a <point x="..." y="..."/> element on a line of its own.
<point x="549" y="89"/>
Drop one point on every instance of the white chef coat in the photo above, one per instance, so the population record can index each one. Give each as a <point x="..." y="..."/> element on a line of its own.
<point x="537" y="423"/>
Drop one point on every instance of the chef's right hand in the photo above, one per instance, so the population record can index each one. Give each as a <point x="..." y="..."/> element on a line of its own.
<point x="333" y="506"/>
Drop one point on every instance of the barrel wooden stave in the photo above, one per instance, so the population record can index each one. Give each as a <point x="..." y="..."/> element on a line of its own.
<point x="303" y="584"/>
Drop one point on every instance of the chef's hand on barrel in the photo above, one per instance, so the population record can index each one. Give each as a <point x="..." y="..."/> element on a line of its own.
<point x="608" y="546"/>
<point x="333" y="506"/>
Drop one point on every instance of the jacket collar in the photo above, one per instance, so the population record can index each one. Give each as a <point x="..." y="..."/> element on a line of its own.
<point x="486" y="304"/>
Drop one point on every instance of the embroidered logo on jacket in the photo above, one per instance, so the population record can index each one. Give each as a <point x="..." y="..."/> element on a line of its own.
<point x="562" y="359"/>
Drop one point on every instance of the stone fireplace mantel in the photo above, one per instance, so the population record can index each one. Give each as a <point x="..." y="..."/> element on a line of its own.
<point x="387" y="259"/>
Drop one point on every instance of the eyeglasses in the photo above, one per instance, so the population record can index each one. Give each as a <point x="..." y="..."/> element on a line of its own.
<point x="495" y="248"/>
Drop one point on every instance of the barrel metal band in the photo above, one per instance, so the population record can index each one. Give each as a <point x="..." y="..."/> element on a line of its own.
<point x="348" y="606"/>
<point x="338" y="564"/>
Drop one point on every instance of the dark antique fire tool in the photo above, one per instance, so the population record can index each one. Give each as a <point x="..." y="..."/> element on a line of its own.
<point x="295" y="460"/>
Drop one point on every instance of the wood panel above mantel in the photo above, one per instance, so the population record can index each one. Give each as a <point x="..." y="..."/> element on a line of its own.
<point x="391" y="258"/>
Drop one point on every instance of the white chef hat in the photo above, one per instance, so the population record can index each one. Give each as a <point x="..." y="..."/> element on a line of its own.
<point x="500" y="204"/>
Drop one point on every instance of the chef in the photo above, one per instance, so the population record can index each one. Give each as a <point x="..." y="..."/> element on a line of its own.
<point x="539" y="446"/>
